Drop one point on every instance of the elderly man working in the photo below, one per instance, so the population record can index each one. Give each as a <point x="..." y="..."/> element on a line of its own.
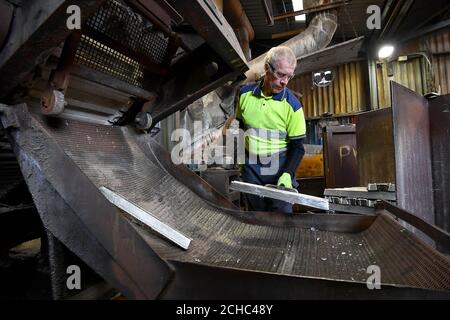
<point x="275" y="127"/>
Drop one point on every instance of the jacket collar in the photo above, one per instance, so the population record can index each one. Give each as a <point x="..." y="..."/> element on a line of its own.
<point x="258" y="90"/>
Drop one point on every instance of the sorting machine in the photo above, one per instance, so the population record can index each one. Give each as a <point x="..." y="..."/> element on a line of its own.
<point x="80" y="109"/>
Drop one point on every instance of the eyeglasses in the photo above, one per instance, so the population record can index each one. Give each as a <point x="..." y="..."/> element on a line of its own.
<point x="280" y="75"/>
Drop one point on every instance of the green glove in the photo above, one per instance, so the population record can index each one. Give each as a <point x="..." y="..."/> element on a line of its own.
<point x="285" y="180"/>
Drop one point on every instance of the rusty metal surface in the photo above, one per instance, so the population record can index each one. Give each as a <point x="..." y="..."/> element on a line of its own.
<point x="194" y="281"/>
<point x="440" y="148"/>
<point x="38" y="28"/>
<point x="374" y="138"/>
<point x="190" y="83"/>
<point x="411" y="129"/>
<point x="220" y="179"/>
<point x="226" y="238"/>
<point x="301" y="254"/>
<point x="65" y="161"/>
<point x="123" y="45"/>
<point x="138" y="41"/>
<point x="341" y="166"/>
<point x="60" y="79"/>
<point x="92" y="227"/>
<point x="159" y="13"/>
<point x="435" y="233"/>
<point x="236" y="17"/>
<point x="180" y="172"/>
<point x="209" y="22"/>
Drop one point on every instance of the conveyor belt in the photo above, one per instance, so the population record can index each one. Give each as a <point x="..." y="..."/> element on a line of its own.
<point x="110" y="157"/>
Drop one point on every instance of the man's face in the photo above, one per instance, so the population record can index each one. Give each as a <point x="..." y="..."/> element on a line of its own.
<point x="278" y="76"/>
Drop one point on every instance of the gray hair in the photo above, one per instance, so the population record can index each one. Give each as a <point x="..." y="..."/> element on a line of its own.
<point x="281" y="52"/>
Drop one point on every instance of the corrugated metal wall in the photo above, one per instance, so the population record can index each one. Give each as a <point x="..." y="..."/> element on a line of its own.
<point x="346" y="94"/>
<point x="411" y="73"/>
<point x="438" y="45"/>
<point x="415" y="73"/>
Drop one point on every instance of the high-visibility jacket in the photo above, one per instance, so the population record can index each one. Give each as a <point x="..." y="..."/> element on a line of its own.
<point x="269" y="122"/>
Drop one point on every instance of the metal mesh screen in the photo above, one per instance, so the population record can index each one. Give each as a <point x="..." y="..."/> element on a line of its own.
<point x="120" y="23"/>
<point x="222" y="240"/>
<point x="97" y="56"/>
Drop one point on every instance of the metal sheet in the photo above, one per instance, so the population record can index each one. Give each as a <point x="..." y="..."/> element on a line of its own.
<point x="352" y="209"/>
<point x="341" y="167"/>
<point x="288" y="196"/>
<point x="375" y="155"/>
<point x="213" y="27"/>
<point x="194" y="280"/>
<point x="147" y="218"/>
<point x="412" y="152"/>
<point x="435" y="233"/>
<point x="360" y="192"/>
<point x="220" y="179"/>
<point x="188" y="178"/>
<point x="344" y="52"/>
<point x="411" y="129"/>
<point x="91" y="225"/>
<point x="440" y="148"/>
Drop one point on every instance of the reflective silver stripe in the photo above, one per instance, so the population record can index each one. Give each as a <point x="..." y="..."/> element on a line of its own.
<point x="266" y="133"/>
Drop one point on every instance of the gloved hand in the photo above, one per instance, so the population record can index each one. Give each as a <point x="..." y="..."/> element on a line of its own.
<point x="285" y="180"/>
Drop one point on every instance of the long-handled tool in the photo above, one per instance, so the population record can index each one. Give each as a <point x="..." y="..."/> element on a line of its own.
<point x="281" y="193"/>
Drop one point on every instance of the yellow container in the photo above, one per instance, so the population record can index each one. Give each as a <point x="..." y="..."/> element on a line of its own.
<point x="311" y="166"/>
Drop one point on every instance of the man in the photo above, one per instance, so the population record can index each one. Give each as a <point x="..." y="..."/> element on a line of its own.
<point x="275" y="126"/>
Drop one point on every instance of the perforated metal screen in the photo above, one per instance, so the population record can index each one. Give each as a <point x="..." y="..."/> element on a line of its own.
<point x="121" y="24"/>
<point x="97" y="56"/>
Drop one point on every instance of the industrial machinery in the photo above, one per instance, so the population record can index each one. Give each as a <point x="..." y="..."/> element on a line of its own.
<point x="80" y="108"/>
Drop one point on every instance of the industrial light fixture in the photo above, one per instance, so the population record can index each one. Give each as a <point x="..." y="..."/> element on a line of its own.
<point x="298" y="5"/>
<point x="323" y="78"/>
<point x="385" y="51"/>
